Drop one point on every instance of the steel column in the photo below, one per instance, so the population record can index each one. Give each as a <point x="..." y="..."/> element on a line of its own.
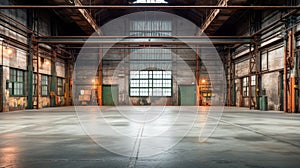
<point x="146" y="7"/>
<point x="198" y="95"/>
<point x="53" y="86"/>
<point x="285" y="94"/>
<point x="30" y="15"/>
<point x="68" y="80"/>
<point x="100" y="78"/>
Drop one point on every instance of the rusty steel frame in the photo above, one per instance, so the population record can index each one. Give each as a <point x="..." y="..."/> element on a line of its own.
<point x="253" y="71"/>
<point x="142" y="40"/>
<point x="145" y="7"/>
<point x="212" y="16"/>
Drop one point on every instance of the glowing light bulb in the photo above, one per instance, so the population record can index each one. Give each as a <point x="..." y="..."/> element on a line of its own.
<point x="47" y="62"/>
<point x="203" y="81"/>
<point x="9" y="51"/>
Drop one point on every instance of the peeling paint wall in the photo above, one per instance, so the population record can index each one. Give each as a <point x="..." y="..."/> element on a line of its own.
<point x="270" y="60"/>
<point x="18" y="60"/>
<point x="270" y="84"/>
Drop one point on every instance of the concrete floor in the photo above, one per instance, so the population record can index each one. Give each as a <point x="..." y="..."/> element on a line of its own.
<point x="61" y="137"/>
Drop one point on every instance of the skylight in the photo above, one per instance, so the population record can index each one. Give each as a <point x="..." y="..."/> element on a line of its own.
<point x="150" y="1"/>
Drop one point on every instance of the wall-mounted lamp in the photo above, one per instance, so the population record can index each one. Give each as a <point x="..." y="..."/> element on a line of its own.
<point x="203" y="81"/>
<point x="9" y="51"/>
<point x="45" y="61"/>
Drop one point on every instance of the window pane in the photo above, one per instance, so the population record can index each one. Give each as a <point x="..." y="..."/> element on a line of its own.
<point x="134" y="83"/>
<point x="167" y="75"/>
<point x="143" y="83"/>
<point x="45" y="85"/>
<point x="167" y="92"/>
<point x="157" y="83"/>
<point x="157" y="74"/>
<point x="157" y="92"/>
<point x="59" y="91"/>
<point x="144" y="74"/>
<point x="20" y="76"/>
<point x="134" y="92"/>
<point x="167" y="83"/>
<point x="16" y="86"/>
<point x="134" y="74"/>
<point x="253" y="78"/>
<point x="143" y="92"/>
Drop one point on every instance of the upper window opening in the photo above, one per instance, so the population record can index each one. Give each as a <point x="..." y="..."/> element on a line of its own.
<point x="149" y="1"/>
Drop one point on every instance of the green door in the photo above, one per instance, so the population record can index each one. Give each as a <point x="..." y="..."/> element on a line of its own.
<point x="187" y="95"/>
<point x="110" y="94"/>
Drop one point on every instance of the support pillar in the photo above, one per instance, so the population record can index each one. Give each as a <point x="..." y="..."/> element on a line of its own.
<point x="100" y="77"/>
<point x="68" y="88"/>
<point x="198" y="95"/>
<point x="230" y="78"/>
<point x="290" y="61"/>
<point x="285" y="93"/>
<point x="53" y="87"/>
<point x="30" y="16"/>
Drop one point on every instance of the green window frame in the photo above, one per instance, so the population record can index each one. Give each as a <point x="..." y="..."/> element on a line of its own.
<point x="34" y="84"/>
<point x="150" y="83"/>
<point x="16" y="86"/>
<point x="45" y="85"/>
<point x="253" y="84"/>
<point x="60" y="86"/>
<point x="245" y="87"/>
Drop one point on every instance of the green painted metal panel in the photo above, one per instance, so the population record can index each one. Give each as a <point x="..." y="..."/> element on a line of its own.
<point x="263" y="103"/>
<point x="110" y="94"/>
<point x="187" y="95"/>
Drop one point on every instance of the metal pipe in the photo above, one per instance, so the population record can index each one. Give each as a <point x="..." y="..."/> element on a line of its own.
<point x="145" y="42"/>
<point x="134" y="37"/>
<point x="143" y="7"/>
<point x="137" y="47"/>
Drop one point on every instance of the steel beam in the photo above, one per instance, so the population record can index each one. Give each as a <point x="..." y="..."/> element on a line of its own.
<point x="90" y="20"/>
<point x="212" y="16"/>
<point x="53" y="86"/>
<point x="285" y="84"/>
<point x="30" y="20"/>
<point x="100" y="78"/>
<point x="143" y="40"/>
<point x="145" y="7"/>
<point x="198" y="96"/>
